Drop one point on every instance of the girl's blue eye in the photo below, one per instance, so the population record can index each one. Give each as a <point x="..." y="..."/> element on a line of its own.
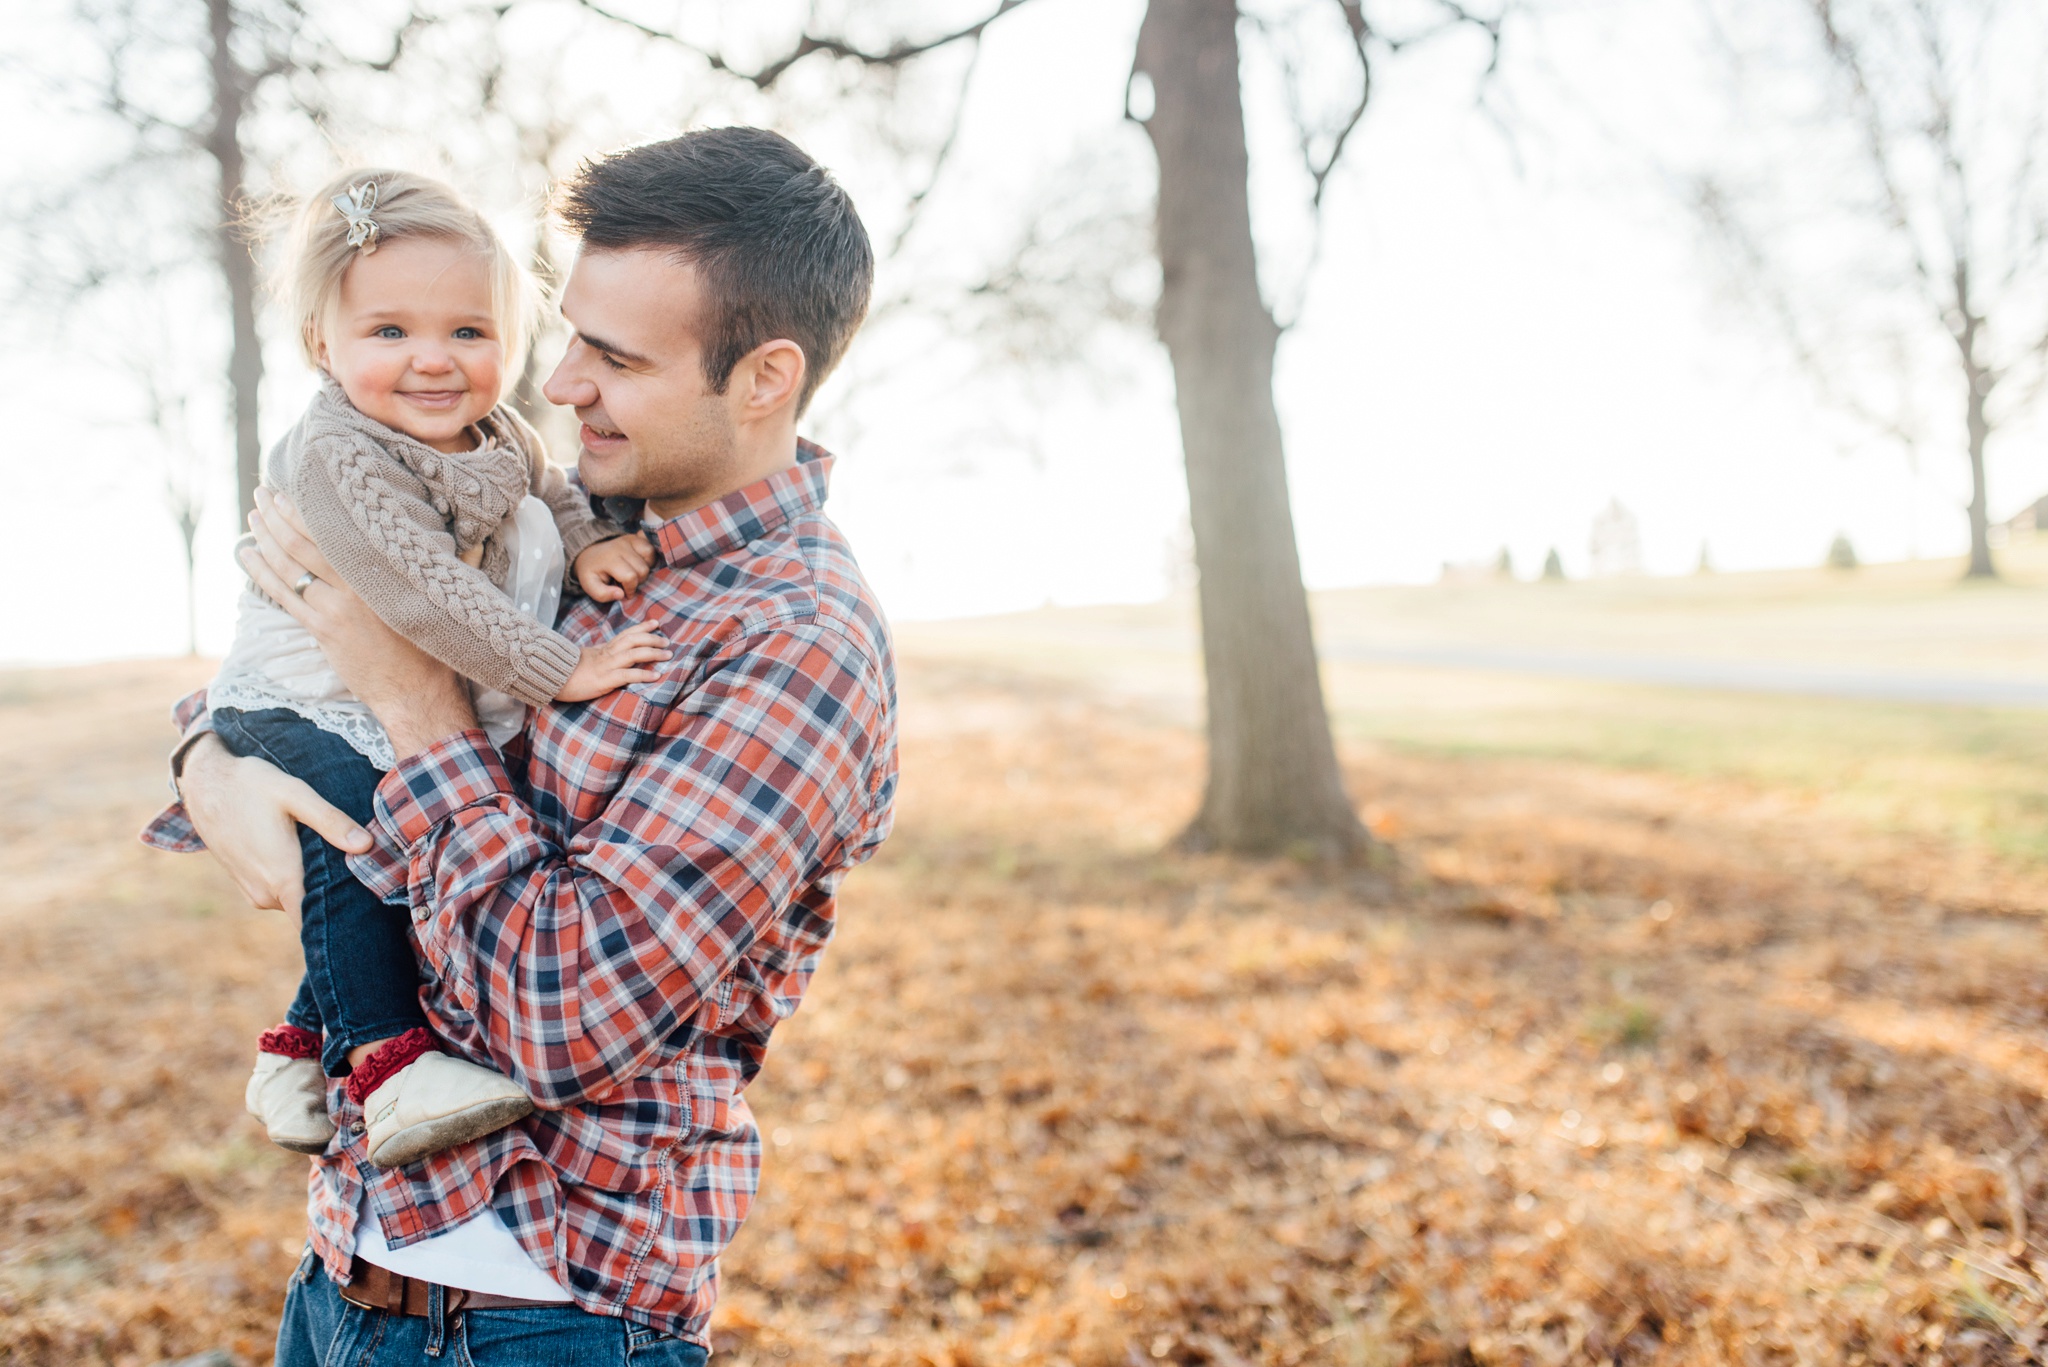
<point x="391" y="332"/>
<point x="468" y="334"/>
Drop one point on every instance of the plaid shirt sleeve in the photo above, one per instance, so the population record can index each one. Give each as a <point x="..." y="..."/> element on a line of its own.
<point x="581" y="960"/>
<point x="171" y="829"/>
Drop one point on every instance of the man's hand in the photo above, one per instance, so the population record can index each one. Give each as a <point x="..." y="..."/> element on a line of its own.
<point x="419" y="699"/>
<point x="248" y="812"/>
<point x="613" y="568"/>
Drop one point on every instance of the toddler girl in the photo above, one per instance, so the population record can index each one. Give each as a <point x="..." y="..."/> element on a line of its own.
<point x="439" y="508"/>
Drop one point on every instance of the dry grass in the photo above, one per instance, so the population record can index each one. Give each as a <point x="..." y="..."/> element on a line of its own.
<point x="1629" y="1065"/>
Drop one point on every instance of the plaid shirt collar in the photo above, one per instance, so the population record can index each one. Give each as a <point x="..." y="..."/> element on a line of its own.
<point x="726" y="524"/>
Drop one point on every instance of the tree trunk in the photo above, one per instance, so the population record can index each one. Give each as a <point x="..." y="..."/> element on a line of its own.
<point x="188" y="528"/>
<point x="1981" y="566"/>
<point x="237" y="265"/>
<point x="1273" y="779"/>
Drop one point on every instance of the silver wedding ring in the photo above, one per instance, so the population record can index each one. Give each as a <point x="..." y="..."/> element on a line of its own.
<point x="302" y="583"/>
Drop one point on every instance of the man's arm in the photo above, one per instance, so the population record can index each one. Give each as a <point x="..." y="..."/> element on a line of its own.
<point x="579" y="961"/>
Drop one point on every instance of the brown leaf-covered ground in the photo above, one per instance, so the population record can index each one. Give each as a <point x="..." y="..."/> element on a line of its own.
<point x="1619" y="1065"/>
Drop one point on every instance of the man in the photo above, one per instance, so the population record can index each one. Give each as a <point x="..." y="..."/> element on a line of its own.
<point x="617" y="911"/>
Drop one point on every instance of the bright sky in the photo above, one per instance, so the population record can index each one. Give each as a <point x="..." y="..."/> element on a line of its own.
<point x="1501" y="338"/>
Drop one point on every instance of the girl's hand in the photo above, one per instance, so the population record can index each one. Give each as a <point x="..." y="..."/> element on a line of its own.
<point x="616" y="663"/>
<point x="609" y="570"/>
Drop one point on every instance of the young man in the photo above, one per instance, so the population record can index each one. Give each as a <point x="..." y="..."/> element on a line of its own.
<point x="618" y="911"/>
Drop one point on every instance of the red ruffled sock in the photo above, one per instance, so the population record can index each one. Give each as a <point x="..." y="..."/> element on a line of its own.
<point x="290" y="1041"/>
<point x="385" y="1061"/>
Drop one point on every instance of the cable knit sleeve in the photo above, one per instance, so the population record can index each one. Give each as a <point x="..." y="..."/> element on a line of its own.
<point x="372" y="519"/>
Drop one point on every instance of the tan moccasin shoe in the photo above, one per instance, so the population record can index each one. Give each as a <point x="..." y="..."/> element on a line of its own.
<point x="434" y="1102"/>
<point x="289" y="1095"/>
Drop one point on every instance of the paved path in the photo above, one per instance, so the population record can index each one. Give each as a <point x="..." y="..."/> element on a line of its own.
<point x="1675" y="671"/>
<point x="1748" y="676"/>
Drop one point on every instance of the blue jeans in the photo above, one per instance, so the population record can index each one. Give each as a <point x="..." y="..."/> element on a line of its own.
<point x="320" y="1329"/>
<point x="362" y="983"/>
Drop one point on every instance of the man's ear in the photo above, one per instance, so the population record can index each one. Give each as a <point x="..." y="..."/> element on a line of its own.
<point x="769" y="378"/>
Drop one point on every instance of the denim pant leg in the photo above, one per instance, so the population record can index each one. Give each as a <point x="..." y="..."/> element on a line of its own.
<point x="320" y="1329"/>
<point x="361" y="978"/>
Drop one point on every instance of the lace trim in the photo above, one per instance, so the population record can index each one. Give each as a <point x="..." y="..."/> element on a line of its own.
<point x="353" y="724"/>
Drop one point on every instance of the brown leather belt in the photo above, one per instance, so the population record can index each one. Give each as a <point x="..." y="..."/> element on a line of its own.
<point x="379" y="1288"/>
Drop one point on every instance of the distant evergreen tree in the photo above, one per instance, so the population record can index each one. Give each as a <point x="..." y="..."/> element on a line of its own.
<point x="1504" y="564"/>
<point x="1553" y="565"/>
<point x="1706" y="565"/>
<point x="1842" y="555"/>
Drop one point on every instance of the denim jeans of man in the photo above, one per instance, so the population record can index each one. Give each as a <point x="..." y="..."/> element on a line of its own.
<point x="362" y="983"/>
<point x="320" y="1329"/>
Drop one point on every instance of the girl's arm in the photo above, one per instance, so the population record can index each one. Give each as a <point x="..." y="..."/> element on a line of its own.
<point x="392" y="547"/>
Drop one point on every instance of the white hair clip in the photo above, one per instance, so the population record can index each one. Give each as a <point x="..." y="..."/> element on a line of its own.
<point x="355" y="206"/>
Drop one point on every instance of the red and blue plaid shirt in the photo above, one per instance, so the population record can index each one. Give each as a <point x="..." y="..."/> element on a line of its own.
<point x="618" y="910"/>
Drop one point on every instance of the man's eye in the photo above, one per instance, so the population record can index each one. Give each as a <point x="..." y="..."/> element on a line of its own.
<point x="614" y="363"/>
<point x="391" y="332"/>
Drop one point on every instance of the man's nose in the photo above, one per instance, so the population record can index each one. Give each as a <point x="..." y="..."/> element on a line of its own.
<point x="567" y="389"/>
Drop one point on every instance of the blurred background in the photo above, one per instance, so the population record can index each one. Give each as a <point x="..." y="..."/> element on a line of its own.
<point x="1644" y="963"/>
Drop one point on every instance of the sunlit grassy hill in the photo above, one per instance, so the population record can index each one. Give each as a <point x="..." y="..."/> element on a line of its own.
<point x="1911" y="616"/>
<point x="1506" y="668"/>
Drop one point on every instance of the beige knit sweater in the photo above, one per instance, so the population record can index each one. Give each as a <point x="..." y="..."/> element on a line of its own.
<point x="395" y="518"/>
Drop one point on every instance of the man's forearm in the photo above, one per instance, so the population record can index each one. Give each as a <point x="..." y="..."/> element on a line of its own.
<point x="431" y="714"/>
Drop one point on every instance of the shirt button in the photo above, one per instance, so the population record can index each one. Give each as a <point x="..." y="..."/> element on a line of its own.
<point x="419" y="913"/>
<point x="357" y="1127"/>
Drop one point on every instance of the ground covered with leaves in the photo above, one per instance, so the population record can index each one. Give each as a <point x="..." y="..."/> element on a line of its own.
<point x="1612" y="1064"/>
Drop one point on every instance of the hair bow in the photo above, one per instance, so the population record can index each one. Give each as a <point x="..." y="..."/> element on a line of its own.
<point x="355" y="206"/>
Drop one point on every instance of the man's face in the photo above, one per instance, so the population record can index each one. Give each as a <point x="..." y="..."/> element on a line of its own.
<point x="652" y="427"/>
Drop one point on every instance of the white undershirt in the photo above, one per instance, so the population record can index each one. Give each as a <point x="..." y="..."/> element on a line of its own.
<point x="479" y="1254"/>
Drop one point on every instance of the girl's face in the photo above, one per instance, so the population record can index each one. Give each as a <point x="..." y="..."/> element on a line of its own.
<point x="413" y="342"/>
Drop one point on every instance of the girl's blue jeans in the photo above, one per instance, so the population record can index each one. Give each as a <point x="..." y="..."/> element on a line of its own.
<point x="362" y="982"/>
<point x="320" y="1329"/>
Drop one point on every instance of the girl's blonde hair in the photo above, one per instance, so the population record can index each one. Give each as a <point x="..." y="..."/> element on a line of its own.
<point x="319" y="252"/>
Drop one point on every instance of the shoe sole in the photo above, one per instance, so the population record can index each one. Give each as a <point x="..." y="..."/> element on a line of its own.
<point x="415" y="1142"/>
<point x="308" y="1147"/>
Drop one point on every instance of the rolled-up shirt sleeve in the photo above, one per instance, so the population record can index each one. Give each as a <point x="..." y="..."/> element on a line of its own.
<point x="171" y="829"/>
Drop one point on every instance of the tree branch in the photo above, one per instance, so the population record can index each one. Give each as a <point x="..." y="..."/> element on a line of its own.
<point x="942" y="156"/>
<point x="1362" y="33"/>
<point x="1869" y="117"/>
<point x="807" y="43"/>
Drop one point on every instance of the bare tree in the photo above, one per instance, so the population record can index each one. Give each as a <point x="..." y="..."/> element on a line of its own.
<point x="250" y="63"/>
<point x="1273" y="783"/>
<point x="185" y="468"/>
<point x="1892" y="217"/>
<point x="1273" y="777"/>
